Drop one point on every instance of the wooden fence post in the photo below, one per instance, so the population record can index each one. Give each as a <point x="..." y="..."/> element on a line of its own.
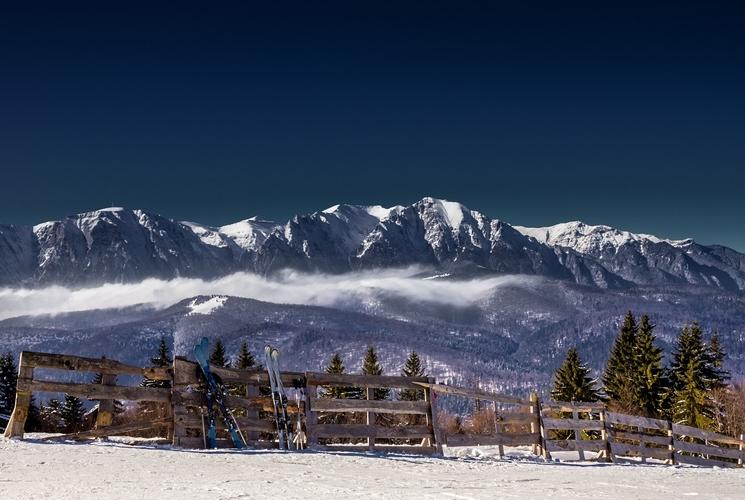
<point x="671" y="446"/>
<point x="544" y="437"/>
<point x="432" y="419"/>
<point x="500" y="447"/>
<point x="311" y="417"/>
<point x="22" y="403"/>
<point x="742" y="448"/>
<point x="105" y="415"/>
<point x="370" y="417"/>
<point x="578" y="436"/>
<point x="533" y="429"/>
<point x="604" y="435"/>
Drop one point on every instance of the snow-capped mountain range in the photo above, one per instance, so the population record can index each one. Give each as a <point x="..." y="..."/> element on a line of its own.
<point x="126" y="245"/>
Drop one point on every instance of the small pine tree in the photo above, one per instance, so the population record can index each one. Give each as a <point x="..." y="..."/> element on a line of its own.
<point x="335" y="367"/>
<point x="572" y="381"/>
<point x="218" y="357"/>
<point x="619" y="378"/>
<point x="412" y="368"/>
<point x="161" y="360"/>
<point x="246" y="359"/>
<point x="71" y="414"/>
<point x="692" y="376"/>
<point x="51" y="419"/>
<point x="8" y="382"/>
<point x="371" y="366"/>
<point x="650" y="382"/>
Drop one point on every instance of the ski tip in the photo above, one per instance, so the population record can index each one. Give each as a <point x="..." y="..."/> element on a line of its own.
<point x="268" y="349"/>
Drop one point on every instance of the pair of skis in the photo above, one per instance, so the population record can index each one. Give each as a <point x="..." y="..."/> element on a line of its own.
<point x="279" y="402"/>
<point x="216" y="394"/>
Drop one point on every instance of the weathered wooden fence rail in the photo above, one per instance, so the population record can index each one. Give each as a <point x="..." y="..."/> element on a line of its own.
<point x="334" y="420"/>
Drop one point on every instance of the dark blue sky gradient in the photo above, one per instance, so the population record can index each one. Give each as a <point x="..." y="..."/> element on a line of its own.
<point x="626" y="114"/>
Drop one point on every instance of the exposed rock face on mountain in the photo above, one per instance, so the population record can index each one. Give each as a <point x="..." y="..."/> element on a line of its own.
<point x="121" y="245"/>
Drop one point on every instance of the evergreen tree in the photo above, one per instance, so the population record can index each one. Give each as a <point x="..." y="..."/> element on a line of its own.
<point x="717" y="355"/>
<point x="71" y="414"/>
<point x="371" y="366"/>
<point x="8" y="382"/>
<point x="217" y="357"/>
<point x="246" y="359"/>
<point x="335" y="367"/>
<point x="572" y="381"/>
<point x="619" y="378"/>
<point x="650" y="383"/>
<point x="692" y="377"/>
<point x="161" y="360"/>
<point x="412" y="368"/>
<point x="51" y="420"/>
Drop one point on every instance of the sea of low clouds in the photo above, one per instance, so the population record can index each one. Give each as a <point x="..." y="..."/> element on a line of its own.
<point x="287" y="288"/>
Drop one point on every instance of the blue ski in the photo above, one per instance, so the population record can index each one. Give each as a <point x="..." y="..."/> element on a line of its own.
<point x="216" y="393"/>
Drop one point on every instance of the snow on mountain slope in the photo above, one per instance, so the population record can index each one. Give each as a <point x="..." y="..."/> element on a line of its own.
<point x="590" y="239"/>
<point x="250" y="234"/>
<point x="123" y="245"/>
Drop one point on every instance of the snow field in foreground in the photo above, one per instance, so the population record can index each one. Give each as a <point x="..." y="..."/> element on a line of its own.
<point x="37" y="469"/>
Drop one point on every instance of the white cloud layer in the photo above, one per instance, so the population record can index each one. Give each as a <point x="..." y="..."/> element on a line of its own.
<point x="288" y="288"/>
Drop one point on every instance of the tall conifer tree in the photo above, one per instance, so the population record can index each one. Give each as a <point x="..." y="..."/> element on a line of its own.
<point x="650" y="386"/>
<point x="246" y="359"/>
<point x="71" y="413"/>
<point x="619" y="378"/>
<point x="692" y="377"/>
<point x="572" y="381"/>
<point x="217" y="357"/>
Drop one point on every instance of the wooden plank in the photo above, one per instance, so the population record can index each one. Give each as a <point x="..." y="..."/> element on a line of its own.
<point x="701" y="461"/>
<point x="364" y="381"/>
<point x="569" y="406"/>
<point x="192" y="421"/>
<point x="474" y="393"/>
<point x="622" y="449"/>
<point x="378" y="406"/>
<point x="572" y="424"/>
<point x="648" y="423"/>
<point x="235" y="376"/>
<point x="92" y="365"/>
<point x="517" y="418"/>
<point x="96" y="391"/>
<point x="113" y="430"/>
<point x="640" y="436"/>
<point x="686" y="430"/>
<point x="708" y="449"/>
<point x="572" y="445"/>
<point x="492" y="440"/>
<point x="360" y="430"/>
<point x="370" y="417"/>
<point x="195" y="398"/>
<point x="433" y="409"/>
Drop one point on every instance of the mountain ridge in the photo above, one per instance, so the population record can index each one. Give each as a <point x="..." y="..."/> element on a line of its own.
<point x="126" y="245"/>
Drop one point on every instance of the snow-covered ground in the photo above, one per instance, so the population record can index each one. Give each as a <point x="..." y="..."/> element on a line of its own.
<point x="37" y="469"/>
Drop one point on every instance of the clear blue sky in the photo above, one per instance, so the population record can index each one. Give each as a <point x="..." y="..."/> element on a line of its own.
<point x="630" y="114"/>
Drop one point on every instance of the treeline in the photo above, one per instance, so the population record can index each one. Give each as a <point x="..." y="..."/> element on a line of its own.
<point x="693" y="389"/>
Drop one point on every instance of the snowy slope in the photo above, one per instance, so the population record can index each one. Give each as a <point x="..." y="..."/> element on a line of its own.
<point x="38" y="469"/>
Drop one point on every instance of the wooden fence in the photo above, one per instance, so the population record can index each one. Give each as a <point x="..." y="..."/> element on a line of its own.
<point x="517" y="425"/>
<point x="106" y="392"/>
<point x="333" y="420"/>
<point x="407" y="420"/>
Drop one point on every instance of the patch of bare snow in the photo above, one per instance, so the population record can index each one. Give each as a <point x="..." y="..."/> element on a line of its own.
<point x="208" y="306"/>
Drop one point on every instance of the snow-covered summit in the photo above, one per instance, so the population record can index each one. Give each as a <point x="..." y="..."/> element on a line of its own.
<point x="589" y="239"/>
<point x="251" y="233"/>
